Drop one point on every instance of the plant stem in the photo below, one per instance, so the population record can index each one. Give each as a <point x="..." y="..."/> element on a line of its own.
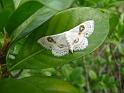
<point x="86" y="75"/>
<point x="3" y="52"/>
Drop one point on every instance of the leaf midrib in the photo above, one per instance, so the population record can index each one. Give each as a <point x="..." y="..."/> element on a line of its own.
<point x="21" y="61"/>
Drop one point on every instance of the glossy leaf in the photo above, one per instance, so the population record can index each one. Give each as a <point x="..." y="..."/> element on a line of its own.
<point x="57" y="4"/>
<point x="21" y="14"/>
<point x="32" y="55"/>
<point x="8" y="5"/>
<point x="41" y="16"/>
<point x="54" y="4"/>
<point x="4" y="16"/>
<point x="31" y="20"/>
<point x="36" y="85"/>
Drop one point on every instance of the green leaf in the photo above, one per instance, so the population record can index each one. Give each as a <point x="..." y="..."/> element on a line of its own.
<point x="122" y="71"/>
<point x="54" y="4"/>
<point x="1" y="39"/>
<point x="92" y="75"/>
<point x="67" y="70"/>
<point x="21" y="14"/>
<point x="77" y="78"/>
<point x="23" y="22"/>
<point x="4" y="16"/>
<point x="113" y="21"/>
<point x="121" y="48"/>
<point x="1" y="7"/>
<point x="41" y="16"/>
<point x="36" y="85"/>
<point x="8" y="5"/>
<point x="32" y="55"/>
<point x="120" y="27"/>
<point x="57" y="4"/>
<point x="17" y="3"/>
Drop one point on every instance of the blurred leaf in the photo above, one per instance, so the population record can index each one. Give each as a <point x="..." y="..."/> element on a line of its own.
<point x="1" y="7"/>
<point x="57" y="4"/>
<point x="17" y="86"/>
<point x="32" y="55"/>
<point x="92" y="75"/>
<point x="52" y="4"/>
<point x="96" y="3"/>
<point x="77" y="78"/>
<point x="4" y="16"/>
<point x="121" y="48"/>
<point x="43" y="72"/>
<point x="108" y="81"/>
<point x="8" y="5"/>
<point x="122" y="71"/>
<point x="36" y="85"/>
<point x="1" y="39"/>
<point x="120" y="26"/>
<point x="102" y="85"/>
<point x="67" y="70"/>
<point x="31" y="21"/>
<point x="17" y="2"/>
<point x="113" y="21"/>
<point x="21" y="14"/>
<point x="0" y="44"/>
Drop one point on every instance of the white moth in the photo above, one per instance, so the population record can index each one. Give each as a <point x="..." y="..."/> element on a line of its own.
<point x="73" y="40"/>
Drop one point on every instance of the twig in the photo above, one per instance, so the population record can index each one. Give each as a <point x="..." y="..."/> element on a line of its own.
<point x="86" y="75"/>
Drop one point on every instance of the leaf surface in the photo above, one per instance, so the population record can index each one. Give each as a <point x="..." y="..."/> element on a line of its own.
<point x="32" y="55"/>
<point x="36" y="85"/>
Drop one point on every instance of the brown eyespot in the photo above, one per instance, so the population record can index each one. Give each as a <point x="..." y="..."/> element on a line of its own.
<point x="50" y="39"/>
<point x="76" y="40"/>
<point x="61" y="46"/>
<point x="81" y="28"/>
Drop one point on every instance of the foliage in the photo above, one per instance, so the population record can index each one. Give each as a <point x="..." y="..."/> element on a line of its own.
<point x="97" y="69"/>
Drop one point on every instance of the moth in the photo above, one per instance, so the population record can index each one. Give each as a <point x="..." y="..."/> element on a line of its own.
<point x="73" y="40"/>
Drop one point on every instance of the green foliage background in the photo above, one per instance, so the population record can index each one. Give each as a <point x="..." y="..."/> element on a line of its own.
<point x="31" y="68"/>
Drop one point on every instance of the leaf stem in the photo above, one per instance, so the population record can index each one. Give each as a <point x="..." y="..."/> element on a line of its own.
<point x="86" y="75"/>
<point x="3" y="52"/>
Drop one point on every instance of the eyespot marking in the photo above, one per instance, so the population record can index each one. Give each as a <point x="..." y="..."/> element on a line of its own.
<point x="76" y="40"/>
<point x="81" y="28"/>
<point x="50" y="39"/>
<point x="61" y="46"/>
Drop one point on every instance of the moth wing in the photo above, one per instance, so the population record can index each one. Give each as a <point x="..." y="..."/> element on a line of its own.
<point x="61" y="46"/>
<point x="43" y="41"/>
<point x="88" y="28"/>
<point x="58" y="46"/>
<point x="57" y="51"/>
<point x="48" y="45"/>
<point x="82" y="44"/>
<point x="77" y="37"/>
<point x="70" y="37"/>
